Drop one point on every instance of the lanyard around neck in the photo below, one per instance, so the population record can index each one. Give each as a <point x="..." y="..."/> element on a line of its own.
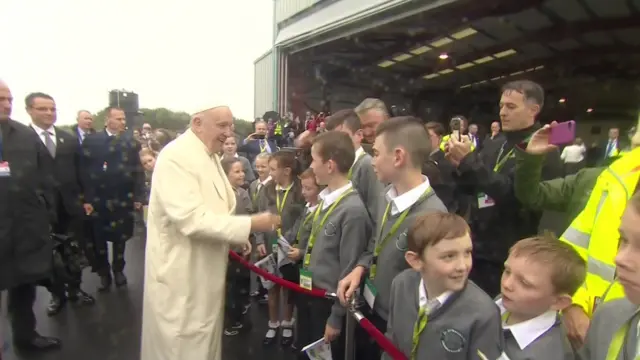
<point x="263" y="145"/>
<point x="303" y="225"/>
<point x="280" y="203"/>
<point x="316" y="226"/>
<point x="500" y="161"/>
<point x="392" y="231"/>
<point x="618" y="340"/>
<point x="350" y="173"/>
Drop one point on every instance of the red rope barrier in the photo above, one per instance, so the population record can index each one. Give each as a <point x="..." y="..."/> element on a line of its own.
<point x="280" y="281"/>
<point x="382" y="340"/>
<point x="379" y="337"/>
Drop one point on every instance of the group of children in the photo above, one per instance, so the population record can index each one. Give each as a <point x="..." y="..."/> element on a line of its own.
<point x="409" y="259"/>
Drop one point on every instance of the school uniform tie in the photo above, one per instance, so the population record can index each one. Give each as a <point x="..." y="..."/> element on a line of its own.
<point x="421" y="324"/>
<point x="50" y="144"/>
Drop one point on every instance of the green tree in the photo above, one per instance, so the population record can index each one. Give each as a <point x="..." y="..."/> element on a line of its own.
<point x="243" y="127"/>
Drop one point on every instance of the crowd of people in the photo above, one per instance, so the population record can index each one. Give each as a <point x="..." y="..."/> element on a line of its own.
<point x="434" y="232"/>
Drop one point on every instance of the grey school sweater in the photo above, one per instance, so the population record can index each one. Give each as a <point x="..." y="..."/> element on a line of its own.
<point x="291" y="211"/>
<point x="338" y="246"/>
<point x="467" y="322"/>
<point x="302" y="228"/>
<point x="607" y="320"/>
<point x="365" y="181"/>
<point x="391" y="261"/>
<point x="552" y="345"/>
<point x="243" y="205"/>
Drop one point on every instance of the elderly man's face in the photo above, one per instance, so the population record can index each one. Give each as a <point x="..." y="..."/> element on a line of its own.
<point x="85" y="120"/>
<point x="214" y="127"/>
<point x="370" y="121"/>
<point x="6" y="101"/>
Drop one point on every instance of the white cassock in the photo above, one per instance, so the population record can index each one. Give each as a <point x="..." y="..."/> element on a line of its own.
<point x="190" y="226"/>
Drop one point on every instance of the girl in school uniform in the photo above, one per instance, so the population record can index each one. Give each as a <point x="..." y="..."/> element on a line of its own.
<point x="238" y="279"/>
<point x="148" y="159"/>
<point x="283" y="195"/>
<point x="230" y="150"/>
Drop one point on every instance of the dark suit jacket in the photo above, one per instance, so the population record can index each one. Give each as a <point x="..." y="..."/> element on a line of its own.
<point x="76" y="133"/>
<point x="26" y="208"/>
<point x="110" y="170"/>
<point x="252" y="149"/>
<point x="66" y="174"/>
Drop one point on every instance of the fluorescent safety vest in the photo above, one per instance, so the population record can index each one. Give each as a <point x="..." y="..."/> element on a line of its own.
<point x="445" y="140"/>
<point x="278" y="129"/>
<point x="594" y="232"/>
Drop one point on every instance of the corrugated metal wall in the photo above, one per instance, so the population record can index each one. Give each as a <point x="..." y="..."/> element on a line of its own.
<point x="263" y="85"/>
<point x="287" y="8"/>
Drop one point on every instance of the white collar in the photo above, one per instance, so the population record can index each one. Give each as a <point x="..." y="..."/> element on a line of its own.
<point x="109" y="133"/>
<point x="329" y="197"/>
<point x="280" y="188"/>
<point x="51" y="130"/>
<point x="310" y="208"/>
<point x="528" y="331"/>
<point x="266" y="181"/>
<point x="406" y="200"/>
<point x="424" y="301"/>
<point x="359" y="153"/>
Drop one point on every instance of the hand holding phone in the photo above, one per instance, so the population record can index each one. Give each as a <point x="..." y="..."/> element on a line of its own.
<point x="562" y="133"/>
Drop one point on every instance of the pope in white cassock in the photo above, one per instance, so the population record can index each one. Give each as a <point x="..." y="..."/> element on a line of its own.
<point x="190" y="225"/>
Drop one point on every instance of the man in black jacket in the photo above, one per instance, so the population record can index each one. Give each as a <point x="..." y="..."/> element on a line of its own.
<point x="65" y="153"/>
<point x="497" y="219"/>
<point x="112" y="180"/>
<point x="26" y="202"/>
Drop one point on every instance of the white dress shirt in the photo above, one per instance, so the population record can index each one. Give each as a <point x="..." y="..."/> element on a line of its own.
<point x="528" y="331"/>
<point x="431" y="304"/>
<point x="406" y="200"/>
<point x="329" y="197"/>
<point x="573" y="154"/>
<point x="41" y="133"/>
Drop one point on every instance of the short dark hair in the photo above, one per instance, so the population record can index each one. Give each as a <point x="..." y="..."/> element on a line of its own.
<point x="28" y="101"/>
<point x="436" y="127"/>
<point x="336" y="146"/>
<point x="407" y="132"/>
<point x="111" y="109"/>
<point x="530" y="90"/>
<point x="347" y="118"/>
<point x="431" y="228"/>
<point x="227" y="164"/>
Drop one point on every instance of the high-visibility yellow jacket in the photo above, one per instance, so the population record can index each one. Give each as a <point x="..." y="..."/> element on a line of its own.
<point x="594" y="232"/>
<point x="445" y="140"/>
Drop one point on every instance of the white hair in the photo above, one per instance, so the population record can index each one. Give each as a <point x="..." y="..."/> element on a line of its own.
<point x="369" y="104"/>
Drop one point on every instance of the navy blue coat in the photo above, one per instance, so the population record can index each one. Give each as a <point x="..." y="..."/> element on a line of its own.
<point x="112" y="180"/>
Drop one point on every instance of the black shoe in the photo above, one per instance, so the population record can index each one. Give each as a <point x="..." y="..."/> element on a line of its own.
<point x="267" y="341"/>
<point x="39" y="343"/>
<point x="246" y="308"/>
<point x="105" y="283"/>
<point x="286" y="341"/>
<point x="263" y="300"/>
<point x="55" y="305"/>
<point x="119" y="279"/>
<point x="255" y="293"/>
<point x="81" y="298"/>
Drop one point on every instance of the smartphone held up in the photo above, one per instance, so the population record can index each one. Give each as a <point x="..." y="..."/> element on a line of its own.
<point x="563" y="133"/>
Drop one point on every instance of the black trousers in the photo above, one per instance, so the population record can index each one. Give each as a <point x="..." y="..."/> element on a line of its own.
<point x="104" y="268"/>
<point x="23" y="320"/>
<point x="366" y="347"/>
<point x="238" y="288"/>
<point x="487" y="275"/>
<point x="312" y="318"/>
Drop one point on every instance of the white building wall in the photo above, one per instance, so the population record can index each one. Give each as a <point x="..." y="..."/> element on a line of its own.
<point x="263" y="85"/>
<point x="288" y="8"/>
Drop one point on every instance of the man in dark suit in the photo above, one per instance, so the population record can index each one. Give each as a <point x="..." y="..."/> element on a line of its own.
<point x="65" y="154"/>
<point x="26" y="210"/>
<point x="83" y="127"/>
<point x="113" y="183"/>
<point x="258" y="142"/>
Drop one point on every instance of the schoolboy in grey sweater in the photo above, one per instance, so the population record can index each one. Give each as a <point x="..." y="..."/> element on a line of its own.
<point x="467" y="322"/>
<point x="339" y="244"/>
<point x="366" y="182"/>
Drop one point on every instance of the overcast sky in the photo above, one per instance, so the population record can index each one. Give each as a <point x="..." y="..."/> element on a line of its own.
<point x="183" y="55"/>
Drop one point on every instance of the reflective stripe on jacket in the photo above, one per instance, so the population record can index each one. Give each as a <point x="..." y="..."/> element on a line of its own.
<point x="445" y="140"/>
<point x="594" y="232"/>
